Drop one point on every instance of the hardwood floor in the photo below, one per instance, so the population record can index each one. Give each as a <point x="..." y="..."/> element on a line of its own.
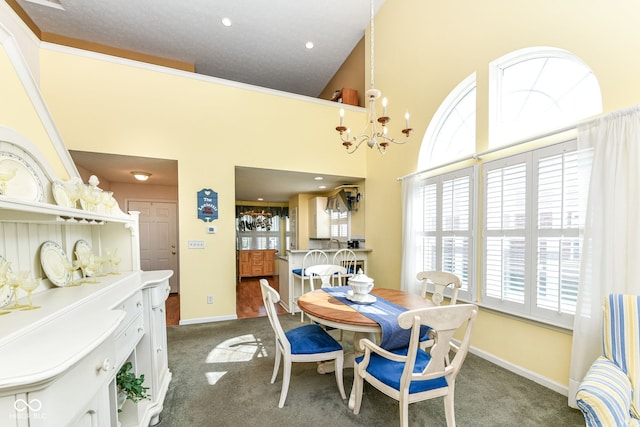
<point x="172" y="305"/>
<point x="248" y="300"/>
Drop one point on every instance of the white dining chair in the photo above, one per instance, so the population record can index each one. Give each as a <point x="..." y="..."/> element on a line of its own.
<point x="308" y="343"/>
<point x="347" y="259"/>
<point x="411" y="374"/>
<point x="313" y="257"/>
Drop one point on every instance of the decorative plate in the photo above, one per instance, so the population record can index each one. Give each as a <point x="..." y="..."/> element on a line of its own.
<point x="19" y="178"/>
<point x="61" y="196"/>
<point x="6" y="292"/>
<point x="54" y="261"/>
<point x="82" y="249"/>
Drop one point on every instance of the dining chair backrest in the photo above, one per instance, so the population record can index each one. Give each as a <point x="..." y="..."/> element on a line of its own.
<point x="347" y="259"/>
<point x="445" y="321"/>
<point x="440" y="281"/>
<point x="271" y="297"/>
<point x="311" y="258"/>
<point x="314" y="257"/>
<point x="326" y="273"/>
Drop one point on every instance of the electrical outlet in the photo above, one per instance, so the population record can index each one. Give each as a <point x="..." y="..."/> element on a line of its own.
<point x="196" y="244"/>
<point x="209" y="299"/>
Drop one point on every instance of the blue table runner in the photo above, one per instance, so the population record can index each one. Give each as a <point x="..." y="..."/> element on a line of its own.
<point x="382" y="311"/>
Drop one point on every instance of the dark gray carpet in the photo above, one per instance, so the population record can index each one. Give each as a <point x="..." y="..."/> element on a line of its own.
<point x="221" y="374"/>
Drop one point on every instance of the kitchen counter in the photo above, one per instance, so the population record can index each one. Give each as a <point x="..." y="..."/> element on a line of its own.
<point x="290" y="288"/>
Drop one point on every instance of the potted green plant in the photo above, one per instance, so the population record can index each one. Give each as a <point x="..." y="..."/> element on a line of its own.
<point x="129" y="385"/>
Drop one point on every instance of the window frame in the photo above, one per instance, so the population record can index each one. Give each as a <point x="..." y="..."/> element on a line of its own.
<point x="498" y="135"/>
<point x="446" y="108"/>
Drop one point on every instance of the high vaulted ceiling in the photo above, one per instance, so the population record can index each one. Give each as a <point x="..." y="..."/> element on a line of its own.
<point x="264" y="46"/>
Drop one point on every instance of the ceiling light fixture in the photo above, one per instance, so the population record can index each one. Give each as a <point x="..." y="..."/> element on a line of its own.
<point x="140" y="176"/>
<point x="226" y="22"/>
<point x="309" y="45"/>
<point x="370" y="134"/>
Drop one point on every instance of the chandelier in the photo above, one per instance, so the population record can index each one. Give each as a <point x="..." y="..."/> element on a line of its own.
<point x="375" y="136"/>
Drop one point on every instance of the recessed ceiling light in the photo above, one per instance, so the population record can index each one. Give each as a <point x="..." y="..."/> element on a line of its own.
<point x="322" y="187"/>
<point x="309" y="45"/>
<point x="318" y="178"/>
<point x="260" y="199"/>
<point x="140" y="176"/>
<point x="226" y="22"/>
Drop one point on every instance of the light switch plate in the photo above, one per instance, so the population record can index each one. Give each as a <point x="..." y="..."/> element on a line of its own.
<point x="212" y="229"/>
<point x="196" y="244"/>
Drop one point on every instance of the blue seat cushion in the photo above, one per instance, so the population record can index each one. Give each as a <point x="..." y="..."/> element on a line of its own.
<point x="389" y="372"/>
<point x="309" y="339"/>
<point x="297" y="271"/>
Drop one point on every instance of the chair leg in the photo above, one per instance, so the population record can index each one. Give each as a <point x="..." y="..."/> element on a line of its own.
<point x="276" y="365"/>
<point x="357" y="389"/>
<point x="449" y="410"/>
<point x="404" y="410"/>
<point x="286" y="376"/>
<point x="339" y="368"/>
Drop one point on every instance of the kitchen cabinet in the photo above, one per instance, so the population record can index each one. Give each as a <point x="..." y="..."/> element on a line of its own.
<point x="254" y="263"/>
<point x="319" y="219"/>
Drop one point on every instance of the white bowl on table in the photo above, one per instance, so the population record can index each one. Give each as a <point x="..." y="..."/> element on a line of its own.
<point x="361" y="285"/>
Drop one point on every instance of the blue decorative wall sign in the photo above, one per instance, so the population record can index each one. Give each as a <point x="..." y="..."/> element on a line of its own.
<point x="207" y="205"/>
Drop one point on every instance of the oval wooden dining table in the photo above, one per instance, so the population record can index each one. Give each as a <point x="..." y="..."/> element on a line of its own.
<point x="327" y="310"/>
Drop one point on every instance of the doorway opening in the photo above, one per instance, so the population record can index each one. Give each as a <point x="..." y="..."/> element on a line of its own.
<point x="155" y="198"/>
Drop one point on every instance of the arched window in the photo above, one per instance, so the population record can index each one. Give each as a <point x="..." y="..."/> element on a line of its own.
<point x="536" y="90"/>
<point x="451" y="135"/>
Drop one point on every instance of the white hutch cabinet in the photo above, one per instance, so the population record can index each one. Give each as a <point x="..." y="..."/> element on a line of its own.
<point x="58" y="363"/>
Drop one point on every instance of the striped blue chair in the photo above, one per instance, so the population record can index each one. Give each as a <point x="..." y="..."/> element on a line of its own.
<point x="609" y="394"/>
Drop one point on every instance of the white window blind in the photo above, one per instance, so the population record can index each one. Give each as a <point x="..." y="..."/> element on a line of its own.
<point x="448" y="215"/>
<point x="340" y="225"/>
<point x="505" y="206"/>
<point x="532" y="243"/>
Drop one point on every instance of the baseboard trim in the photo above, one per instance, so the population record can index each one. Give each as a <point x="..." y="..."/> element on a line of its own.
<point x="207" y="319"/>
<point x="519" y="370"/>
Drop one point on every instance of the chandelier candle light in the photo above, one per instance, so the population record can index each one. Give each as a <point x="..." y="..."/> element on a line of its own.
<point x="371" y="135"/>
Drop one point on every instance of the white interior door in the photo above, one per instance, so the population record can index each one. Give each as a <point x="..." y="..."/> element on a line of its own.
<point x="158" y="237"/>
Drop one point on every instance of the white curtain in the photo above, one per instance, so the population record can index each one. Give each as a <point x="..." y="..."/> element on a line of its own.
<point x="610" y="261"/>
<point x="412" y="227"/>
